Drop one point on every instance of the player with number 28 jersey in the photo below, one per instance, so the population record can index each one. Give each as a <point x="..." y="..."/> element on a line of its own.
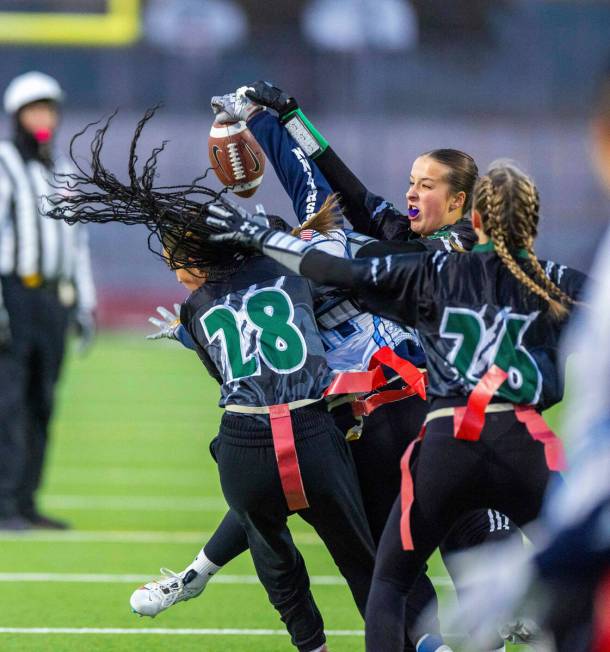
<point x="258" y="331"/>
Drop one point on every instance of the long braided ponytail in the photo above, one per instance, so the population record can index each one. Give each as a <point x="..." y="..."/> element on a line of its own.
<point x="508" y="203"/>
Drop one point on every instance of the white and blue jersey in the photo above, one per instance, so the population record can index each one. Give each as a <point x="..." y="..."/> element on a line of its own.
<point x="351" y="336"/>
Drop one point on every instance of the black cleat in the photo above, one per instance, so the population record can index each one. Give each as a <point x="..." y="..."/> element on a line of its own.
<point x="42" y="522"/>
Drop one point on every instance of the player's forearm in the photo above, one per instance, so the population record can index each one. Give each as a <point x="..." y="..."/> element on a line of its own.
<point x="390" y="247"/>
<point x="382" y="287"/>
<point x="320" y="266"/>
<point x="302" y="180"/>
<point x="304" y="259"/>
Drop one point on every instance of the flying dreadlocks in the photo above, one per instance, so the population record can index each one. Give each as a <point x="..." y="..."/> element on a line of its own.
<point x="174" y="215"/>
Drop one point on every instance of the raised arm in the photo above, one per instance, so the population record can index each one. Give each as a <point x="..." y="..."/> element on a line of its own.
<point x="368" y="213"/>
<point x="302" y="181"/>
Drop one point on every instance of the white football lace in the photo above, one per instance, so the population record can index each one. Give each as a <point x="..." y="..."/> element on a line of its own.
<point x="235" y="161"/>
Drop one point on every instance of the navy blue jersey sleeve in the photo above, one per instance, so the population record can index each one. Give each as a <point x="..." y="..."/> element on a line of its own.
<point x="367" y="212"/>
<point x="184" y="337"/>
<point x="302" y="180"/>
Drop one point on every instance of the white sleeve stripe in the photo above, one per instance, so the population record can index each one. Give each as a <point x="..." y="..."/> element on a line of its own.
<point x="7" y="235"/>
<point x="26" y="212"/>
<point x="50" y="230"/>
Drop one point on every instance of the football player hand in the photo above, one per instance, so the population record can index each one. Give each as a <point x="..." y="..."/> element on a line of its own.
<point x="247" y="232"/>
<point x="265" y="94"/>
<point x="84" y="322"/>
<point x="167" y="326"/>
<point x="234" y="107"/>
<point x="5" y="328"/>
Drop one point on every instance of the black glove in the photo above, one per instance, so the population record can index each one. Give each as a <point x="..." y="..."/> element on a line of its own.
<point x="265" y="94"/>
<point x="246" y="231"/>
<point x="5" y="328"/>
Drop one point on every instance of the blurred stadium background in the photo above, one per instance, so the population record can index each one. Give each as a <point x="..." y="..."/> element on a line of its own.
<point x="385" y="80"/>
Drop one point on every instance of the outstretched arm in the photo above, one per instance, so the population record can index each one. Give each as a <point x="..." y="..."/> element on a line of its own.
<point x="388" y="286"/>
<point x="368" y="213"/>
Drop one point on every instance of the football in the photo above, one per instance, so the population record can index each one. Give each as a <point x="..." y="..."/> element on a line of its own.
<point x="236" y="157"/>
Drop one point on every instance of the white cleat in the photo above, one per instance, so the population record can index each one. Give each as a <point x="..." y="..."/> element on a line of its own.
<point x="159" y="595"/>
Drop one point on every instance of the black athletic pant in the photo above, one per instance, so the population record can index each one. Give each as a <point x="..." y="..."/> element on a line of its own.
<point x="251" y="485"/>
<point x="29" y="369"/>
<point x="506" y="470"/>
<point x="386" y="434"/>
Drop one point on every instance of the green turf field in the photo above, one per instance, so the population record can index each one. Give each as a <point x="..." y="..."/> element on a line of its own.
<point x="130" y="469"/>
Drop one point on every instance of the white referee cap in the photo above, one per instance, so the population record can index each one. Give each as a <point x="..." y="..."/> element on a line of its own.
<point x="31" y="87"/>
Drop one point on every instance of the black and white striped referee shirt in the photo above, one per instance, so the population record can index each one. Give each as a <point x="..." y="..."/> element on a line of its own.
<point x="31" y="244"/>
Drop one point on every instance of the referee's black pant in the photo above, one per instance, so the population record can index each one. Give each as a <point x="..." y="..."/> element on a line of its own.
<point x="505" y="470"/>
<point x="29" y="369"/>
<point x="251" y="485"/>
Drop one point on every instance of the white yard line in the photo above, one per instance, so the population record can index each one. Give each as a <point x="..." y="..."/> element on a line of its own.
<point x="125" y="475"/>
<point x="136" y="503"/>
<point x="111" y="578"/>
<point x="166" y="632"/>
<point x="127" y="537"/>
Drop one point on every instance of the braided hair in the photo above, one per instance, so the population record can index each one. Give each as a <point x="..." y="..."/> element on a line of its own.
<point x="508" y="202"/>
<point x="173" y="215"/>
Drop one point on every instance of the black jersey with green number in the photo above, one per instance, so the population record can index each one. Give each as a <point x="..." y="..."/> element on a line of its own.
<point x="257" y="335"/>
<point x="470" y="313"/>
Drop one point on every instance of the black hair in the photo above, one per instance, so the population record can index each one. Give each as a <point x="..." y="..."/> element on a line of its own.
<point x="173" y="215"/>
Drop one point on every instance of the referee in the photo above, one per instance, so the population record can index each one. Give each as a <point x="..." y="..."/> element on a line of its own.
<point x="46" y="280"/>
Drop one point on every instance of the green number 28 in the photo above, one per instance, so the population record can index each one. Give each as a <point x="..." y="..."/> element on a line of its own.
<point x="279" y="344"/>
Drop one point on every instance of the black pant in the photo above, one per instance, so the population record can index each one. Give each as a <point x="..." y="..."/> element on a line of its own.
<point x="506" y="470"/>
<point x="386" y="434"/>
<point x="29" y="369"/>
<point x="250" y="482"/>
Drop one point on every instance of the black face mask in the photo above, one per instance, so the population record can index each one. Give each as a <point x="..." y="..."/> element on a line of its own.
<point x="29" y="147"/>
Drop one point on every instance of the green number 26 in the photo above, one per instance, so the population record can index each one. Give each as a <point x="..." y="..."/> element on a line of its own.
<point x="279" y="344"/>
<point x="478" y="347"/>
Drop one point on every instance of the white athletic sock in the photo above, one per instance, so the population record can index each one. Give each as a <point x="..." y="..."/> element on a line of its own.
<point x="205" y="569"/>
<point x="322" y="648"/>
<point x="500" y="649"/>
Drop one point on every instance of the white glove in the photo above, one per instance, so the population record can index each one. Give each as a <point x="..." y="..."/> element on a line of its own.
<point x="167" y="325"/>
<point x="234" y="107"/>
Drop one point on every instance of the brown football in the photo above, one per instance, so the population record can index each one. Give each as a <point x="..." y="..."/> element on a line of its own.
<point x="236" y="157"/>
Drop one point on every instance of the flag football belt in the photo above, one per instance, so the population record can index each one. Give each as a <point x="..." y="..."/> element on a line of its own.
<point x="354" y="386"/>
<point x="468" y="423"/>
<point x="283" y="445"/>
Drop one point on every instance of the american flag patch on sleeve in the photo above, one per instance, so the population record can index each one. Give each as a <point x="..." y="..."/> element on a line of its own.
<point x="306" y="234"/>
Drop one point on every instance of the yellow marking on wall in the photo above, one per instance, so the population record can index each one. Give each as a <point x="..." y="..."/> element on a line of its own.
<point x="119" y="25"/>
